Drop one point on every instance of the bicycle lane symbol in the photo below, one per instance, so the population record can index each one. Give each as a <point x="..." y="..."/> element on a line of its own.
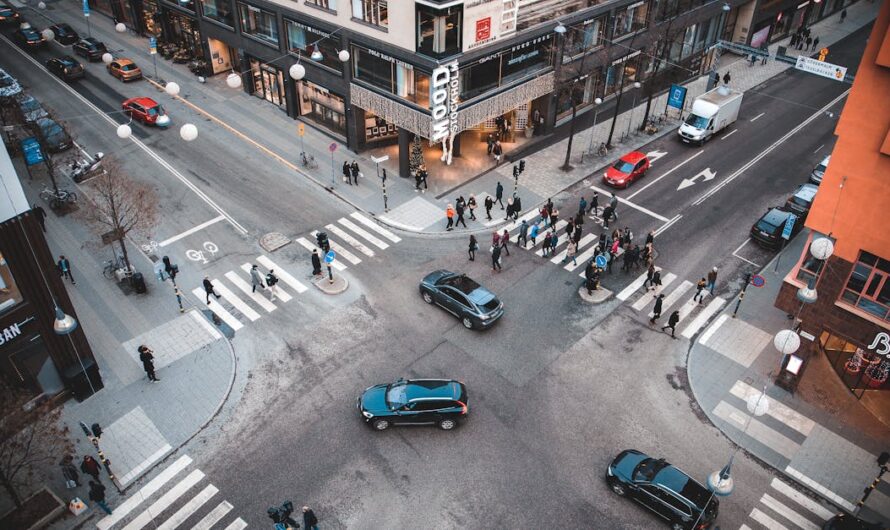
<point x="199" y="255"/>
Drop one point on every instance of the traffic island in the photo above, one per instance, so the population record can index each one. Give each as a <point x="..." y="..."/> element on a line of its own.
<point x="327" y="286"/>
<point x="599" y="295"/>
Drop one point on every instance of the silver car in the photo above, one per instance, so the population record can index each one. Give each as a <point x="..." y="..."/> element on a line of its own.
<point x="9" y="87"/>
<point x="819" y="171"/>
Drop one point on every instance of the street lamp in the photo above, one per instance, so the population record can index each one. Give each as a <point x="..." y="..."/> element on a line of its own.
<point x="172" y="88"/>
<point x="107" y="58"/>
<point x="120" y="27"/>
<point x="188" y="132"/>
<point x="124" y="131"/>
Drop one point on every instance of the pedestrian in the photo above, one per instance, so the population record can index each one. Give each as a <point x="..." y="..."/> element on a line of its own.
<point x="417" y="180"/>
<point x="489" y="204"/>
<point x="272" y="283"/>
<point x="91" y="467"/>
<point x="256" y="279"/>
<point x="650" y="272"/>
<point x="635" y="257"/>
<point x="355" y="172"/>
<point x="533" y="234"/>
<point x="310" y="521"/>
<point x="69" y="471"/>
<point x="607" y="216"/>
<point x="554" y="217"/>
<point x="496" y="258"/>
<point x="612" y="256"/>
<point x="316" y="263"/>
<point x="815" y="43"/>
<point x="474" y="246"/>
<point x="490" y="141"/>
<point x="498" y="151"/>
<point x="509" y="208"/>
<point x="505" y="240"/>
<point x="517" y="206"/>
<point x="579" y="219"/>
<point x="570" y="227"/>
<point x="843" y="15"/>
<point x="589" y="274"/>
<point x="449" y="214"/>
<point x="545" y="216"/>
<point x="726" y="78"/>
<point x="424" y="174"/>
<point x="716" y="78"/>
<point x="522" y="238"/>
<point x="546" y="248"/>
<point x="793" y="41"/>
<point x="97" y="495"/>
<point x="471" y="205"/>
<point x="571" y="250"/>
<point x="554" y="241"/>
<point x="41" y="215"/>
<point x="625" y="261"/>
<point x="806" y="32"/>
<point x="347" y="172"/>
<point x="656" y="311"/>
<point x="672" y="323"/>
<point x="613" y="202"/>
<point x="650" y="237"/>
<point x="712" y="279"/>
<point x="576" y="236"/>
<point x="582" y="206"/>
<point x="146" y="355"/>
<point x="499" y="194"/>
<point x="208" y="289"/>
<point x="65" y="269"/>
<point x="656" y="279"/>
<point x="699" y="287"/>
<point x="593" y="207"/>
<point x="808" y="43"/>
<point x="459" y="209"/>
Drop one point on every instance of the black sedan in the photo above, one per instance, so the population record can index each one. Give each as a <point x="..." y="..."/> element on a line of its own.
<point x="8" y="15"/>
<point x="662" y="488"/>
<point x="91" y="48"/>
<point x="65" y="67"/>
<point x="29" y="37"/>
<point x="474" y="305"/>
<point x="441" y="402"/>
<point x="53" y="135"/>
<point x="65" y="34"/>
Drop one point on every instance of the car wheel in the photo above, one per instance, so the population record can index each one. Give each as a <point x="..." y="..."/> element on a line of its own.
<point x="618" y="489"/>
<point x="447" y="424"/>
<point x="427" y="297"/>
<point x="380" y="425"/>
<point x="467" y="322"/>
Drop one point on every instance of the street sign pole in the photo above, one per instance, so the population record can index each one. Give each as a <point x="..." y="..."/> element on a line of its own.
<point x="86" y="14"/>
<point x="332" y="148"/>
<point x="329" y="260"/>
<point x="377" y="162"/>
<point x="153" y="50"/>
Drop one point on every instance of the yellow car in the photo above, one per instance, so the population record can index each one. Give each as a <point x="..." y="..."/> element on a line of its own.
<point x="124" y="69"/>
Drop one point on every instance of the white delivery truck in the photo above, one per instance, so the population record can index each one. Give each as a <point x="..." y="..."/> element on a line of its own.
<point x="711" y="113"/>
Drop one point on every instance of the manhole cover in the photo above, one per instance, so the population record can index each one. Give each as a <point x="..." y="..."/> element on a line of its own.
<point x="273" y="241"/>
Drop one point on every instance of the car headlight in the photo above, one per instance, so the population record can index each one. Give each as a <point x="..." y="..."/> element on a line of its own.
<point x="367" y="414"/>
<point x="609" y="471"/>
<point x="483" y="316"/>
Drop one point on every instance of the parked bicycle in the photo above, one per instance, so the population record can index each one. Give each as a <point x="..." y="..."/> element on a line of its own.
<point x="308" y="160"/>
<point x="111" y="266"/>
<point x="602" y="150"/>
<point x="57" y="198"/>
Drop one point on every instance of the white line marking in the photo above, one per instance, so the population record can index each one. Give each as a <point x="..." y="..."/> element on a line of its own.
<point x="675" y="295"/>
<point x="191" y="231"/>
<point x="712" y="329"/>
<point x="237" y="524"/>
<point x="584" y="256"/>
<point x="755" y="118"/>
<point x="700" y="320"/>
<point x="363" y="233"/>
<point x="282" y="294"/>
<point x="607" y="194"/>
<point x="734" y="253"/>
<point x="375" y="227"/>
<point x="687" y="308"/>
<point x="632" y="288"/>
<point x="153" y="486"/>
<point x="246" y="288"/>
<point x="649" y="296"/>
<point x="196" y="315"/>
<point x="777" y="410"/>
<point x="217" y="309"/>
<point x="668" y="224"/>
<point x="283" y="274"/>
<point x="236" y="302"/>
<point x="189" y="508"/>
<point x="214" y="516"/>
<point x="513" y="225"/>
<point x="310" y="247"/>
<point x="820" y="489"/>
<point x="165" y="501"/>
<point x="818" y="149"/>
<point x="126" y="479"/>
<point x="340" y="251"/>
<point x="744" y="527"/>
<point x="801" y="499"/>
<point x="355" y="243"/>
<point x="666" y="173"/>
<point x="766" y="520"/>
<point x="541" y="233"/>
<point x="730" y="133"/>
<point x="581" y="242"/>
<point x="788" y="513"/>
<point x="559" y="241"/>
<point x="756" y="430"/>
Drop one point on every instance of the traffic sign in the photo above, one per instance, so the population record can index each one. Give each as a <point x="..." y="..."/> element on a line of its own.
<point x="601" y="261"/>
<point x="789" y="226"/>
<point x="86" y="8"/>
<point x="758" y="280"/>
<point x="301" y="129"/>
<point x="677" y="97"/>
<point x="821" y="68"/>
<point x="329" y="257"/>
<point x="152" y="45"/>
<point x="332" y="147"/>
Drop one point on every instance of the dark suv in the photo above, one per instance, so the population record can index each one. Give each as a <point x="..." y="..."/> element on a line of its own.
<point x="767" y="231"/>
<point x="662" y="488"/>
<point x="474" y="305"/>
<point x="442" y="402"/>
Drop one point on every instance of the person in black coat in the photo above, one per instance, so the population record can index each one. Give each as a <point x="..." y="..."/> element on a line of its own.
<point x="673" y="320"/>
<point x="316" y="263"/>
<point x="146" y="355"/>
<point x="353" y="169"/>
<point x="656" y="311"/>
<point x="41" y="215"/>
<point x="347" y="172"/>
<point x="310" y="521"/>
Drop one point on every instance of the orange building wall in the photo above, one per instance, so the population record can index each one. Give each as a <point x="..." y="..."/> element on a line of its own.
<point x="858" y="215"/>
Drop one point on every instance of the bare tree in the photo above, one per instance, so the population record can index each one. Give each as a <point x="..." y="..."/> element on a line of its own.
<point x="662" y="38"/>
<point x="32" y="439"/>
<point x="122" y="206"/>
<point x="620" y="91"/>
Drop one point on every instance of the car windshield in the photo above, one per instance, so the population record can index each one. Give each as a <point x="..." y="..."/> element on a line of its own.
<point x="800" y="201"/>
<point x="694" y="120"/>
<point x="766" y="226"/>
<point x="156" y="110"/>
<point x="128" y="67"/>
<point x="397" y="395"/>
<point x="623" y="166"/>
<point x="648" y="468"/>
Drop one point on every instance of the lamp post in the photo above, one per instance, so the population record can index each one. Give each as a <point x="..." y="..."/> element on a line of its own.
<point x="724" y="10"/>
<point x="377" y="162"/>
<point x="596" y="110"/>
<point x="637" y="86"/>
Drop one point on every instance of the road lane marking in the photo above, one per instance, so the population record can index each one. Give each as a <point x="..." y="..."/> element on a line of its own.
<point x="165" y="501"/>
<point x="789" y="514"/>
<point x="237" y="524"/>
<point x="649" y="296"/>
<point x="777" y="410"/>
<point x="666" y="173"/>
<point x="217" y="309"/>
<point x="820" y="489"/>
<point x="712" y="329"/>
<point x="730" y="133"/>
<point x="375" y="227"/>
<point x="353" y="242"/>
<point x="766" y="520"/>
<point x="632" y="205"/>
<point x="686" y="309"/>
<point x="136" y="471"/>
<point x="214" y="516"/>
<point x="700" y="319"/>
<point x="734" y="253"/>
<point x="668" y="224"/>
<point x="352" y="226"/>
<point x="283" y="275"/>
<point x="189" y="508"/>
<point x="632" y="288"/>
<point x="190" y="231"/>
<point x="675" y="295"/>
<point x="798" y="497"/>
<point x="755" y="118"/>
<point x="754" y="428"/>
<point x="236" y="302"/>
<point x="818" y="149"/>
<point x="310" y="247"/>
<point x="247" y="289"/>
<point x="153" y="486"/>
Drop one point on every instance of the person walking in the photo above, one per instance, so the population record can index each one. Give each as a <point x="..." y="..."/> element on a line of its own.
<point x="459" y="209"/>
<point x="316" y="263"/>
<point x="517" y="206"/>
<point x="208" y="289"/>
<point x="593" y="206"/>
<point x="272" y="283"/>
<point x="353" y="169"/>
<point x="522" y="238"/>
<point x="582" y="206"/>
<point x="256" y="279"/>
<point x="495" y="240"/>
<point x="97" y="495"/>
<point x="650" y="272"/>
<point x="650" y="237"/>
<point x="699" y="287"/>
<point x="607" y="216"/>
<point x="91" y="467"/>
<point x="65" y="269"/>
<point x="673" y="320"/>
<point x="843" y="15"/>
<point x="656" y="279"/>
<point x="808" y="43"/>
<point x="505" y="241"/>
<point x="417" y="180"/>
<point x="571" y="250"/>
<point x="533" y="234"/>
<point x="545" y="250"/>
<point x="310" y="521"/>
<point x="489" y="204"/>
<point x="496" y="258"/>
<point x="490" y="142"/>
<point x="656" y="311"/>
<point x="449" y="215"/>
<point x="498" y="151"/>
<point x="499" y="194"/>
<point x="474" y="246"/>
<point x="471" y="205"/>
<point x="576" y="235"/>
<point x="554" y="217"/>
<point x="794" y="38"/>
<point x="69" y="471"/>
<point x="815" y="43"/>
<point x="554" y="241"/>
<point x="146" y="355"/>
<point x="509" y="211"/>
<point x="712" y="280"/>
<point x="41" y="215"/>
<point x="347" y="172"/>
<point x="424" y="174"/>
<point x="726" y="78"/>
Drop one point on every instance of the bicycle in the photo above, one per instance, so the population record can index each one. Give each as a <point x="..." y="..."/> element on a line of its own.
<point x="602" y="150"/>
<point x="57" y="198"/>
<point x="308" y="160"/>
<point x="111" y="266"/>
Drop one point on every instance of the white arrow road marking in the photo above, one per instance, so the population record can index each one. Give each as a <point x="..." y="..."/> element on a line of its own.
<point x="666" y="173"/>
<point x="655" y="155"/>
<point x="707" y="174"/>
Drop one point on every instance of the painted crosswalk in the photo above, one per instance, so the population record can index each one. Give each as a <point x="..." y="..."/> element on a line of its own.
<point x="180" y="494"/>
<point x="784" y="507"/>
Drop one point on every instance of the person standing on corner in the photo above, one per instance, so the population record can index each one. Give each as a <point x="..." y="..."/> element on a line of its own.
<point x="712" y="280"/>
<point x="97" y="495"/>
<point x="673" y="320"/>
<point x="146" y="355"/>
<point x="656" y="311"/>
<point x="499" y="194"/>
<point x="65" y="269"/>
<point x="726" y="78"/>
<point x="69" y="471"/>
<point x="316" y="263"/>
<point x="347" y="172"/>
<point x="208" y="289"/>
<point x="474" y="246"/>
<point x="256" y="279"/>
<point x="91" y="467"/>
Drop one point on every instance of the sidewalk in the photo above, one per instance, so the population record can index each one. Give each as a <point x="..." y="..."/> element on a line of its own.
<point x="821" y="436"/>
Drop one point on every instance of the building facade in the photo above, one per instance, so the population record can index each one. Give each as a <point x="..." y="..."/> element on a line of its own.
<point x="850" y="320"/>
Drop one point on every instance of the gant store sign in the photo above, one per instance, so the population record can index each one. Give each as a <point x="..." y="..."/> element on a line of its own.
<point x="444" y="103"/>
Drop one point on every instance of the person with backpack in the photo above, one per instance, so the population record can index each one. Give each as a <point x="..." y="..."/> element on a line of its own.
<point x="272" y="283"/>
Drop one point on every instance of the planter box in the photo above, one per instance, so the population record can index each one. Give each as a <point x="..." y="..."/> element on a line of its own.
<point x="38" y="511"/>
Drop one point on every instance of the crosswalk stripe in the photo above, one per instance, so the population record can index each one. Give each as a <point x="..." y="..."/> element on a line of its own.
<point x="583" y="241"/>
<point x="144" y="492"/>
<point x="700" y="320"/>
<point x="744" y="527"/>
<point x="632" y="288"/>
<point x="674" y="296"/>
<point x="236" y="302"/>
<point x="801" y="499"/>
<point x="214" y="516"/>
<point x="584" y="256"/>
<point x="341" y="252"/>
<point x="237" y="524"/>
<point x="310" y="247"/>
<point x="543" y="232"/>
<point x="189" y="508"/>
<point x="788" y="513"/>
<point x="690" y="305"/>
<point x="165" y="501"/>
<point x="513" y="225"/>
<point x="649" y="297"/>
<point x="766" y="520"/>
<point x="217" y="309"/>
<point x="245" y="287"/>
<point x="282" y="294"/>
<point x="375" y="227"/>
<point x="282" y="274"/>
<point x="777" y="409"/>
<point x="358" y="245"/>
<point x="364" y="233"/>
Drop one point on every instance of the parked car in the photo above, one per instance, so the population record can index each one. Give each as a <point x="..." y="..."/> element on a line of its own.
<point x="64" y="34"/>
<point x="30" y="109"/>
<point x="802" y="200"/>
<point x="91" y="48"/>
<point x="845" y="521"/>
<point x="53" y="136"/>
<point x="124" y="69"/>
<point x="29" y="37"/>
<point x="767" y="231"/>
<point x="662" y="488"/>
<point x="65" y="67"/>
<point x="147" y="111"/>
<point x="627" y="169"/>
<point x="8" y="14"/>
<point x="9" y="87"/>
<point x="819" y="171"/>
<point x="474" y="305"/>
<point x="441" y="402"/>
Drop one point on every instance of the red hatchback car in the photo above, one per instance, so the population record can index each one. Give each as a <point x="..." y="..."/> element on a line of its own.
<point x="627" y="169"/>
<point x="147" y="111"/>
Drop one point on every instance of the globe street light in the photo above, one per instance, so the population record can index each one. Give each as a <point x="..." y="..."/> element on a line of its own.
<point x="233" y="80"/>
<point x="120" y="27"/>
<point x="188" y="132"/>
<point x="48" y="34"/>
<point x="172" y="88"/>
<point x="124" y="131"/>
<point x="297" y="71"/>
<point x="107" y="58"/>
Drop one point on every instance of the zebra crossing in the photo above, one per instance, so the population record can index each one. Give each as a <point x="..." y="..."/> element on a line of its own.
<point x="783" y="508"/>
<point x="172" y="499"/>
<point x="351" y="238"/>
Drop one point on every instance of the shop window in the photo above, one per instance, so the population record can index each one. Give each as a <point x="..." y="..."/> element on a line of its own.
<point x="324" y="4"/>
<point x="526" y="58"/>
<point x="390" y="74"/>
<point x="581" y="93"/>
<point x="301" y="38"/>
<point x="688" y="40"/>
<point x="586" y="37"/>
<point x="218" y="10"/>
<point x="859" y="368"/>
<point x="868" y="286"/>
<point x="10" y="296"/>
<point x="630" y="20"/>
<point x="534" y="12"/>
<point x="810" y="268"/>
<point x="377" y="129"/>
<point x="322" y="106"/>
<point x="439" y="31"/>
<point x="620" y="75"/>
<point x="479" y="78"/>
<point x="374" y="12"/>
<point x="258" y="23"/>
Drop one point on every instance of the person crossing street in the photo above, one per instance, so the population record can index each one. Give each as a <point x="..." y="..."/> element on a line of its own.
<point x="522" y="238"/>
<point x="699" y="288"/>
<point x="656" y="311"/>
<point x="499" y="194"/>
<point x="673" y="320"/>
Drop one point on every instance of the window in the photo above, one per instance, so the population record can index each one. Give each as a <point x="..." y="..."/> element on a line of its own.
<point x="429" y="404"/>
<point x="258" y="23"/>
<point x="390" y="74"/>
<point x="218" y="10"/>
<point x="301" y="37"/>
<point x="520" y="61"/>
<point x="631" y="19"/>
<point x="324" y="4"/>
<point x="534" y="12"/>
<point x="868" y="287"/>
<point x="584" y="38"/>
<point x="439" y="31"/>
<point x="371" y="11"/>
<point x="10" y="295"/>
<point x="689" y="40"/>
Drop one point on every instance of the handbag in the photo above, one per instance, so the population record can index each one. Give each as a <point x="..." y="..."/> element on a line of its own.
<point x="70" y="484"/>
<point x="491" y="248"/>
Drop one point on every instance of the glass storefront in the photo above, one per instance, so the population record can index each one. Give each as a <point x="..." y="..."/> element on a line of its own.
<point x="623" y="72"/>
<point x="151" y="18"/>
<point x="376" y="129"/>
<point x="218" y="10"/>
<point x="258" y="23"/>
<point x="184" y="32"/>
<point x="860" y="369"/>
<point x="439" y="30"/>
<point x="505" y="67"/>
<point x="630" y="19"/>
<point x="391" y="75"/>
<point x="32" y="366"/>
<point x="268" y="83"/>
<point x="321" y="106"/>
<point x="302" y="39"/>
<point x="10" y="295"/>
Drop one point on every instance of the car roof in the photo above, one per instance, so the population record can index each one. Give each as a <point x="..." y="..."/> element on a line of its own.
<point x="144" y="101"/>
<point x="66" y="59"/>
<point x="679" y="482"/>
<point x="432" y="389"/>
<point x="633" y="157"/>
<point x="806" y="192"/>
<point x="775" y="216"/>
<point x="123" y="60"/>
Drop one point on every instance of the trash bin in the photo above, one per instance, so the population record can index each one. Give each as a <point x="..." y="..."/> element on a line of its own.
<point x="138" y="282"/>
<point x="76" y="379"/>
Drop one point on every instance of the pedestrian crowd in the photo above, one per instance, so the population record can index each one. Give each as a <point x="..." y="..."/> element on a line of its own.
<point x="802" y="39"/>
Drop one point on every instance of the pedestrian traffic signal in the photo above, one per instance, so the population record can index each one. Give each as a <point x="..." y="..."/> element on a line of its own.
<point x="97" y="430"/>
<point x="515" y="171"/>
<point x="521" y="166"/>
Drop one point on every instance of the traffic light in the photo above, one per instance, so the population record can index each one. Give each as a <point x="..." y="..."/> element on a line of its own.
<point x="97" y="430"/>
<point x="521" y="166"/>
<point x="515" y="171"/>
<point x="883" y="459"/>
